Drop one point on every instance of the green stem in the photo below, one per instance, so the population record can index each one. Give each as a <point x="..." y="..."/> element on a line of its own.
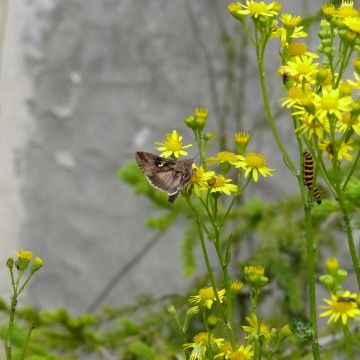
<point x="201" y="145"/>
<point x="213" y="284"/>
<point x="26" y="344"/>
<point x="306" y="198"/>
<point x="8" y="342"/>
<point x="352" y="170"/>
<point x="260" y="59"/>
<point x="25" y="283"/>
<point x="344" y="64"/>
<point x="310" y="249"/>
<point x="349" y="234"/>
<point x="348" y="343"/>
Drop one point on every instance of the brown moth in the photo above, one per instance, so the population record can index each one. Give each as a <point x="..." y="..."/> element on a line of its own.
<point x="164" y="174"/>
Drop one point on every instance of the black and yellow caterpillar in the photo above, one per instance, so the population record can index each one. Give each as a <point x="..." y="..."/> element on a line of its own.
<point x="309" y="176"/>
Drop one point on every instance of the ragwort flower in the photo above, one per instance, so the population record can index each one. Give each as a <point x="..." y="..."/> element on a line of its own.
<point x="241" y="353"/>
<point x="199" y="179"/>
<point x="256" y="330"/>
<point x="172" y="146"/>
<point x="206" y="297"/>
<point x="224" y="156"/>
<point x="258" y="8"/>
<point x="302" y="68"/>
<point x="200" y="344"/>
<point x="218" y="183"/>
<point x="343" y="149"/>
<point x="254" y="163"/>
<point x="343" y="306"/>
<point x="330" y="103"/>
<point x="346" y="122"/>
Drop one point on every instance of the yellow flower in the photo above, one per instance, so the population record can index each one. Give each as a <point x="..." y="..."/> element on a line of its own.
<point x="242" y="353"/>
<point x="285" y="34"/>
<point x="343" y="306"/>
<point x="328" y="10"/>
<point x="297" y="96"/>
<point x="225" y="350"/>
<point x="254" y="273"/>
<point x="236" y="286"/>
<point x="330" y="103"/>
<point x="346" y="10"/>
<point x="199" y="179"/>
<point x="172" y="145"/>
<point x="241" y="138"/>
<point x="24" y="255"/>
<point x="219" y="184"/>
<point x="257" y="8"/>
<point x="206" y="297"/>
<point x="343" y="149"/>
<point x="234" y="9"/>
<point x="200" y="116"/>
<point x="312" y="125"/>
<point x="255" y="331"/>
<point x="353" y="23"/>
<point x="224" y="156"/>
<point x="346" y="123"/>
<point x="300" y="49"/>
<point x="289" y="21"/>
<point x="254" y="163"/>
<point x="302" y="68"/>
<point x="201" y="342"/>
<point x="285" y="331"/>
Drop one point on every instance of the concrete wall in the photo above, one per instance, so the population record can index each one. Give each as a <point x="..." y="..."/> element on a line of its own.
<point x="85" y="84"/>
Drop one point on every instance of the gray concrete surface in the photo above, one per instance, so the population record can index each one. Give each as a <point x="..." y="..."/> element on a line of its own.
<point x="85" y="84"/>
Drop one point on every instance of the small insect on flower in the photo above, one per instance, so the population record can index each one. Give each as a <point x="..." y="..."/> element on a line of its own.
<point x="309" y="176"/>
<point x="338" y="308"/>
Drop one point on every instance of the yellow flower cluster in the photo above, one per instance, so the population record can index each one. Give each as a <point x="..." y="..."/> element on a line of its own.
<point x="202" y="180"/>
<point x="324" y="108"/>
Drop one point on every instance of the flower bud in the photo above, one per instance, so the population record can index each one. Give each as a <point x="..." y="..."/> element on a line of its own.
<point x="328" y="11"/>
<point x="212" y="321"/>
<point x="37" y="264"/>
<point x="171" y="310"/>
<point x="327" y="42"/>
<point x="341" y="275"/>
<point x="190" y="122"/>
<point x="350" y="37"/>
<point x="241" y="140"/>
<point x="327" y="280"/>
<point x="201" y="114"/>
<point x="208" y="136"/>
<point x="10" y="263"/>
<point x="332" y="264"/>
<point x="329" y="51"/>
<point x="234" y="8"/>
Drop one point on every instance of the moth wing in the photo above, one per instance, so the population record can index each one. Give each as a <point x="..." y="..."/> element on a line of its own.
<point x="150" y="163"/>
<point x="167" y="180"/>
